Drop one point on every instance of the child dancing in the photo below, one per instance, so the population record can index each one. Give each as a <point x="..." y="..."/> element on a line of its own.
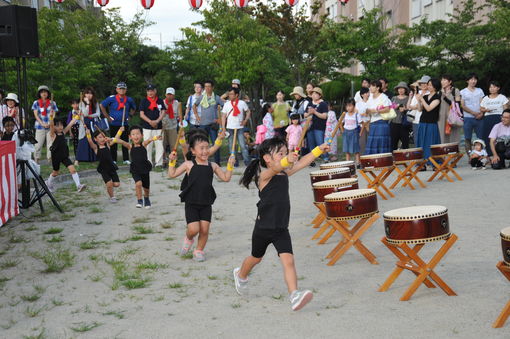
<point x="197" y="190"/>
<point x="60" y="152"/>
<point x="270" y="173"/>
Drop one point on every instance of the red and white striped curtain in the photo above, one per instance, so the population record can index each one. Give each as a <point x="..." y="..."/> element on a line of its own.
<point x="8" y="182"/>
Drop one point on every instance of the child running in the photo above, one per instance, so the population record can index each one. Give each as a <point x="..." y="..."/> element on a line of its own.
<point x="270" y="173"/>
<point x="140" y="165"/>
<point x="106" y="167"/>
<point x="198" y="192"/>
<point x="350" y="127"/>
<point x="60" y="152"/>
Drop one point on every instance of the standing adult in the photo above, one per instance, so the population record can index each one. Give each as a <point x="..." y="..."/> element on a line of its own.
<point x="318" y="111"/>
<point x="309" y="90"/>
<point x="449" y="96"/>
<point x="193" y="116"/>
<point x="300" y="104"/>
<point x="89" y="108"/>
<point x="385" y="89"/>
<point x="10" y="109"/>
<point x="235" y="115"/>
<point x="471" y="97"/>
<point x="236" y="83"/>
<point x="120" y="108"/>
<point x="152" y="111"/>
<point x="210" y="105"/>
<point x="281" y="111"/>
<point x="500" y="141"/>
<point x="492" y="107"/>
<point x="169" y="123"/>
<point x="414" y="107"/>
<point x="379" y="140"/>
<point x="361" y="107"/>
<point x="399" y="126"/>
<point x="428" y="131"/>
<point x="365" y="83"/>
<point x="43" y="107"/>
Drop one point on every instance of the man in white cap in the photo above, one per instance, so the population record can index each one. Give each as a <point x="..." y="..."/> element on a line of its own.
<point x="413" y="106"/>
<point x="173" y="111"/>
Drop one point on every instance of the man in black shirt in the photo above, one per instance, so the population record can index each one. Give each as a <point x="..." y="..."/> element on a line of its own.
<point x="152" y="111"/>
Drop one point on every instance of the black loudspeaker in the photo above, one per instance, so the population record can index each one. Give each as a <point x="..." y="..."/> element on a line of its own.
<point x="18" y="32"/>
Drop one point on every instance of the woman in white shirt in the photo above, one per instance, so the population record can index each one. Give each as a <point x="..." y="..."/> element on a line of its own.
<point x="379" y="140"/>
<point x="492" y="106"/>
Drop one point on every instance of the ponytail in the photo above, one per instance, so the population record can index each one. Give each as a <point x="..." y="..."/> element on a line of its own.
<point x="251" y="173"/>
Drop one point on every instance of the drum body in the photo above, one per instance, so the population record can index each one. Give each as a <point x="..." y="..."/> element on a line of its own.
<point x="354" y="204"/>
<point x="381" y="160"/>
<point x="403" y="155"/>
<point x="323" y="188"/>
<point x="329" y="174"/>
<point x="505" y="244"/>
<point x="416" y="225"/>
<point x="349" y="164"/>
<point x="442" y="149"/>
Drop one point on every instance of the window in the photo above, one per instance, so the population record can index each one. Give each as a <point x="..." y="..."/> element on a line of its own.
<point x="415" y="9"/>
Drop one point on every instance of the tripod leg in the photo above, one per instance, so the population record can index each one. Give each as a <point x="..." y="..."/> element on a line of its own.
<point x="38" y="196"/>
<point x="45" y="188"/>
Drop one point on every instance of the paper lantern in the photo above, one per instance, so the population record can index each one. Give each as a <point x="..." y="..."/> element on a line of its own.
<point x="291" y="2"/>
<point x="103" y="3"/>
<point x="147" y="4"/>
<point x="59" y="1"/>
<point x="195" y="4"/>
<point x="241" y="3"/>
<point x="344" y="2"/>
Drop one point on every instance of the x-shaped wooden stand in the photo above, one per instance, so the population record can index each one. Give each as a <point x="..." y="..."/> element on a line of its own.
<point x="376" y="181"/>
<point x="351" y="237"/>
<point x="444" y="164"/>
<point x="410" y="260"/>
<point x="319" y="220"/>
<point x="409" y="172"/>
<point x="503" y="316"/>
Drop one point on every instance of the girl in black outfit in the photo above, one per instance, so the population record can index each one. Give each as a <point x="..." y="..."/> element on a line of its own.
<point x="106" y="167"/>
<point x="270" y="173"/>
<point x="198" y="192"/>
<point x="140" y="165"/>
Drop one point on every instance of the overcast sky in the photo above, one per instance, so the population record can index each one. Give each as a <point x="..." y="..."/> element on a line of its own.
<point x="169" y="16"/>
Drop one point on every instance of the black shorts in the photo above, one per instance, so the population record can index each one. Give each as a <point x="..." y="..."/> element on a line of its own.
<point x="196" y="213"/>
<point x="56" y="161"/>
<point x="144" y="178"/>
<point x="261" y="238"/>
<point x="110" y="176"/>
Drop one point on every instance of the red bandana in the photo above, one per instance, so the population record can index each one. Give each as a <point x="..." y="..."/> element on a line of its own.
<point x="154" y="103"/>
<point x="44" y="104"/>
<point x="234" y="106"/>
<point x="12" y="112"/>
<point x="170" y="108"/>
<point x="120" y="104"/>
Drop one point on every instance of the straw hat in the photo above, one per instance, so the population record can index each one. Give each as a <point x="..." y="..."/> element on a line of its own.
<point x="299" y="91"/>
<point x="13" y="97"/>
<point x="317" y="90"/>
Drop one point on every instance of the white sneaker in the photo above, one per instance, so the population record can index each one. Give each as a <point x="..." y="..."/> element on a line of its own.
<point x="113" y="200"/>
<point x="241" y="286"/>
<point x="298" y="299"/>
<point x="127" y="162"/>
<point x="81" y="187"/>
<point x="50" y="187"/>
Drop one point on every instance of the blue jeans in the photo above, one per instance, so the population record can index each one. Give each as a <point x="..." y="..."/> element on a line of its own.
<point x="315" y="137"/>
<point x="213" y="134"/>
<point x="241" y="143"/>
<point x="470" y="125"/>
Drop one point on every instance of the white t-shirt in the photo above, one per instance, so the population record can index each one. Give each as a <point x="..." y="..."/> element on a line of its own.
<point x="495" y="105"/>
<point x="472" y="100"/>
<point x="191" y="101"/>
<point x="234" y="122"/>
<point x="414" y="102"/>
<point x="351" y="122"/>
<point x="373" y="103"/>
<point x="482" y="153"/>
<point x="362" y="106"/>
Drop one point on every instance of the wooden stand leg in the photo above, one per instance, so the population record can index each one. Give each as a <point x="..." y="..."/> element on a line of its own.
<point x="505" y="312"/>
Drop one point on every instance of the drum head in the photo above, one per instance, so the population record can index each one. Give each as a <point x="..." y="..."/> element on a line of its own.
<point x="505" y="233"/>
<point x="330" y="171"/>
<point x="415" y="212"/>
<point x="379" y="155"/>
<point x="335" y="183"/>
<point x="407" y="150"/>
<point x="337" y="164"/>
<point x="352" y="194"/>
<point x="444" y="145"/>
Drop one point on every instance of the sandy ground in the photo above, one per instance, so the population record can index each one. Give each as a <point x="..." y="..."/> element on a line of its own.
<point x="179" y="298"/>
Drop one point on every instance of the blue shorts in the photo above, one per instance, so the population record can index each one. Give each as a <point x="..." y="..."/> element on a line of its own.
<point x="470" y="125"/>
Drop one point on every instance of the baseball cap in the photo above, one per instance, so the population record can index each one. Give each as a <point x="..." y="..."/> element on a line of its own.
<point x="170" y="90"/>
<point x="236" y="81"/>
<point x="151" y="87"/>
<point x="122" y="85"/>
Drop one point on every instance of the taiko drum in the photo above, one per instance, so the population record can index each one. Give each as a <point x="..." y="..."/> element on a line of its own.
<point x="403" y="155"/>
<point x="353" y="204"/>
<point x="381" y="160"/>
<point x="505" y="244"/>
<point x="330" y="174"/>
<point x="442" y="149"/>
<point x="323" y="188"/>
<point x="349" y="164"/>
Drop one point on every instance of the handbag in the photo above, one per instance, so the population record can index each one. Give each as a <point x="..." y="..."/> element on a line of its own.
<point x="455" y="115"/>
<point x="389" y="115"/>
<point x="102" y="123"/>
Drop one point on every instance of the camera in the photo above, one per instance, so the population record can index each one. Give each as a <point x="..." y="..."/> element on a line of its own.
<point x="26" y="135"/>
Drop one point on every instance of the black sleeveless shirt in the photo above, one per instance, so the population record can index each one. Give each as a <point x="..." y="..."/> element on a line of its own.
<point x="140" y="164"/>
<point x="274" y="205"/>
<point x="59" y="149"/>
<point x="104" y="157"/>
<point x="199" y="189"/>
